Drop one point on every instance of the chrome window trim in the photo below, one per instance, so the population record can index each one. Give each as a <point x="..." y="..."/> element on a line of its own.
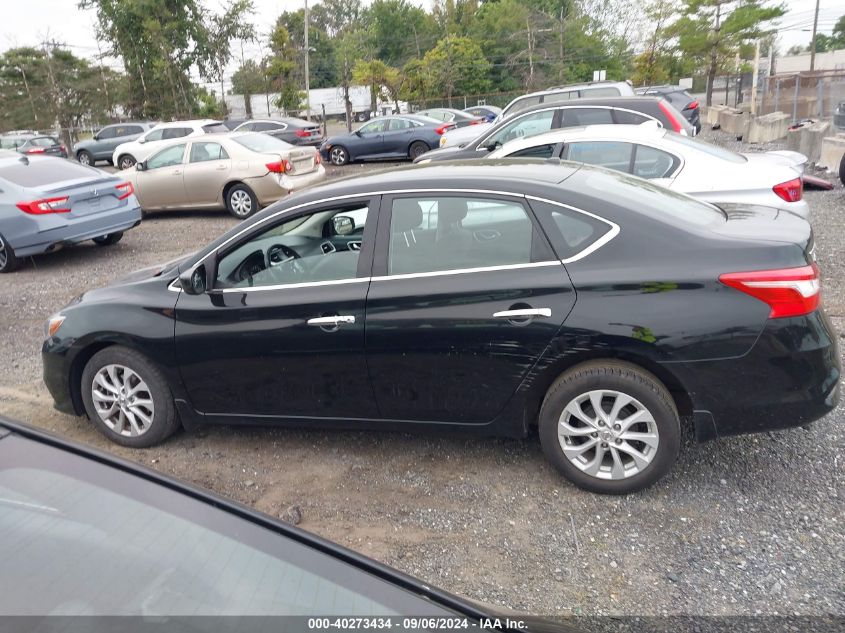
<point x="465" y="271"/>
<point x="593" y="247"/>
<point x="304" y="284"/>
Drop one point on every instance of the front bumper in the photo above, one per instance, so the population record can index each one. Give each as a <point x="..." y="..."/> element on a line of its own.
<point x="55" y="368"/>
<point x="789" y="378"/>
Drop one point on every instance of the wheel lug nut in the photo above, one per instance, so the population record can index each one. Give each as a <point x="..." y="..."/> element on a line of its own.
<point x="594" y="434"/>
<point x="618" y="441"/>
<point x="604" y="444"/>
<point x="601" y="423"/>
<point x="616" y="427"/>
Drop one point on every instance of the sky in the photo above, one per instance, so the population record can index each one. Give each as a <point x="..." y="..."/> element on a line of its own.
<point x="33" y="21"/>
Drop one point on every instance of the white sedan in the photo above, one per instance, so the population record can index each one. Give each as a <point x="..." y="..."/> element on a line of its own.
<point x="680" y="163"/>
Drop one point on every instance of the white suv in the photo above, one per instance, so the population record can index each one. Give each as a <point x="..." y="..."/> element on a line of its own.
<point x="127" y="154"/>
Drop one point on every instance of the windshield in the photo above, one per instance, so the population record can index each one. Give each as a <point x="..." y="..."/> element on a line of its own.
<point x="262" y="143"/>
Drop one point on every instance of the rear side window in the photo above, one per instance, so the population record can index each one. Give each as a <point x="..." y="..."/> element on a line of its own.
<point x="399" y="124"/>
<point x="610" y="154"/>
<point x="626" y="117"/>
<point x="570" y="232"/>
<point x="202" y="152"/>
<point x="452" y="233"/>
<point x="129" y="130"/>
<point x="175" y="132"/>
<point x="576" y="117"/>
<point x="43" y="173"/>
<point x="538" y="151"/>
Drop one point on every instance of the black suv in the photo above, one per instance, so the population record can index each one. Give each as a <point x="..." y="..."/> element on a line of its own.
<point x="678" y="97"/>
<point x="550" y="116"/>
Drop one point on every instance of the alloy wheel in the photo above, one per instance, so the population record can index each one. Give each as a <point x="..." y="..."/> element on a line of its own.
<point x="241" y="202"/>
<point x="4" y="256"/>
<point x="608" y="434"/>
<point x="338" y="156"/>
<point x="126" y="162"/>
<point x="84" y="159"/>
<point x="123" y="400"/>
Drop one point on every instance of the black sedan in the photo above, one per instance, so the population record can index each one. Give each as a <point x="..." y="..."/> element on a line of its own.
<point x="292" y="131"/>
<point x="554" y="115"/>
<point x="460" y="118"/>
<point x="389" y="137"/>
<point x="87" y="534"/>
<point x="483" y="296"/>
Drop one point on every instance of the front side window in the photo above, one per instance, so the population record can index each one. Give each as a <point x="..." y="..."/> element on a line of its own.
<point x="107" y="133"/>
<point x="202" y="152"/>
<point x="650" y="162"/>
<point x="429" y="234"/>
<point x="528" y="125"/>
<point x="610" y="154"/>
<point x="167" y="157"/>
<point x="374" y="127"/>
<point x="321" y="246"/>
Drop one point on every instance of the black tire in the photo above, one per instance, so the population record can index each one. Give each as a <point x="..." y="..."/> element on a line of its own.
<point x="8" y="260"/>
<point x="362" y="116"/>
<point x="108" y="240"/>
<point x="241" y="201"/>
<point x="633" y="382"/>
<point x="126" y="161"/>
<point x="842" y="170"/>
<point x="338" y="155"/>
<point x="417" y="149"/>
<point x="164" y="421"/>
<point x="85" y="157"/>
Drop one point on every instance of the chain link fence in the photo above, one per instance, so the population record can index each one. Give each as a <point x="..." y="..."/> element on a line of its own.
<point x="804" y="95"/>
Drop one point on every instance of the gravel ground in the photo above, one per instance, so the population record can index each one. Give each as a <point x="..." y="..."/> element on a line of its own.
<point x="742" y="526"/>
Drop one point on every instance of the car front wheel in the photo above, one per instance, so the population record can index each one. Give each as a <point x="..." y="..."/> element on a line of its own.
<point x="610" y="427"/>
<point x="126" y="162"/>
<point x="338" y="155"/>
<point x="127" y="398"/>
<point x="85" y="158"/>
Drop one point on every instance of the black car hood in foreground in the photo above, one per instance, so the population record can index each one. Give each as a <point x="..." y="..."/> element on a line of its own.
<point x="152" y="271"/>
<point x="475" y="612"/>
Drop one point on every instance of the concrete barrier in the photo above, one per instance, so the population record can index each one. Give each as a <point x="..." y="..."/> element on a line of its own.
<point x="711" y="114"/>
<point x="734" y="122"/>
<point x="808" y="140"/>
<point x="832" y="150"/>
<point x="768" y="127"/>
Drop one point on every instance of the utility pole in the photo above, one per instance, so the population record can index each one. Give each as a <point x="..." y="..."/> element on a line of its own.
<point x="307" y="77"/>
<point x="754" y="76"/>
<point x="103" y="77"/>
<point x="813" y="42"/>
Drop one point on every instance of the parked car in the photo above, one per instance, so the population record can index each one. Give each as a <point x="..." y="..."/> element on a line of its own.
<point x="489" y="297"/>
<point x="102" y="145"/>
<point x="678" y="96"/>
<point x="386" y="137"/>
<point x="450" y="115"/>
<point x="293" y="131"/>
<point x="89" y="534"/>
<point x="543" y="118"/>
<point x="126" y="155"/>
<point x="46" y="204"/>
<point x="240" y="172"/>
<point x="231" y="124"/>
<point x="486" y="112"/>
<point x="14" y="139"/>
<point x="678" y="162"/>
<point x="42" y="144"/>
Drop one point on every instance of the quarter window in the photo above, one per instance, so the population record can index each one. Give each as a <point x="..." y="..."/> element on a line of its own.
<point x="374" y="127"/>
<point x="321" y="246"/>
<point x="167" y="157"/>
<point x="450" y="233"/>
<point x="538" y="151"/>
<point x="202" y="152"/>
<point x="650" y="162"/>
<point x="570" y="232"/>
<point x="610" y="154"/>
<point x="528" y="125"/>
<point x="625" y="117"/>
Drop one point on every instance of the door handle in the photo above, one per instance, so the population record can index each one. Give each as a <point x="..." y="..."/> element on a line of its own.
<point x="331" y="321"/>
<point x="176" y="172"/>
<point x="524" y="312"/>
<point x="222" y="167"/>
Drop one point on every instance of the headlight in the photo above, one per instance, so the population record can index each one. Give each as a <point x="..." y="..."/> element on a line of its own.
<point x="53" y="324"/>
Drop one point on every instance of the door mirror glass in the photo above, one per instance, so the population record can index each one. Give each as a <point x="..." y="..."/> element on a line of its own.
<point x="140" y="166"/>
<point x="198" y="279"/>
<point x="343" y="225"/>
<point x="96" y="137"/>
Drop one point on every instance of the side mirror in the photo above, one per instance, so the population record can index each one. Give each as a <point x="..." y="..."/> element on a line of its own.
<point x="142" y="140"/>
<point x="96" y="137"/>
<point x="492" y="147"/>
<point x="343" y="225"/>
<point x="199" y="278"/>
<point x="140" y="165"/>
<point x="357" y="133"/>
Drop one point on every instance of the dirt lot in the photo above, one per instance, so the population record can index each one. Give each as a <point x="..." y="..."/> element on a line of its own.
<point x="750" y="525"/>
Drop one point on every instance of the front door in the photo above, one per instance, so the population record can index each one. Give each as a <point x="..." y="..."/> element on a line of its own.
<point x="372" y="139"/>
<point x="161" y="184"/>
<point x="206" y="172"/>
<point x="466" y="294"/>
<point x="281" y="333"/>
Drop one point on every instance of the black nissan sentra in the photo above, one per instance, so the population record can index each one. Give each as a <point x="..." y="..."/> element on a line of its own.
<point x="491" y="297"/>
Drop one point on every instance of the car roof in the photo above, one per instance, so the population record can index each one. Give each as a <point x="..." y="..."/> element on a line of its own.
<point x="659" y="89"/>
<point x="648" y="131"/>
<point x="630" y="102"/>
<point x="197" y="122"/>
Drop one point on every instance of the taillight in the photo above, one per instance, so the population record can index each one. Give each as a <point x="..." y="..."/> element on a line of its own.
<point x="789" y="291"/>
<point x="47" y="205"/>
<point x="442" y="129"/>
<point x="791" y="190"/>
<point x="673" y="120"/>
<point x="692" y="105"/>
<point x="279" y="167"/>
<point x="36" y="150"/>
<point x="126" y="189"/>
<point x="302" y="133"/>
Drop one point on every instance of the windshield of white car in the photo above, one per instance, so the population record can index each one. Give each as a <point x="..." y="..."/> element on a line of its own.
<point x="258" y="142"/>
<point x="705" y="147"/>
<point x="215" y="128"/>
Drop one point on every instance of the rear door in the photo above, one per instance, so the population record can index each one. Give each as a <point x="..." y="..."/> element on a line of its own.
<point x="206" y="171"/>
<point x="397" y="137"/>
<point x="465" y="296"/>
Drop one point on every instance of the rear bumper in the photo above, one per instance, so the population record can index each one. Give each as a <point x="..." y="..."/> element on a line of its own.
<point x="39" y="240"/>
<point x="789" y="378"/>
<point x="270" y="188"/>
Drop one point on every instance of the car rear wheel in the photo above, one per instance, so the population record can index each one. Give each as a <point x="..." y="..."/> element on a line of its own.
<point x="8" y="260"/>
<point x="842" y="170"/>
<point x="108" y="240"/>
<point x="127" y="398"/>
<point x="126" y="162"/>
<point x="338" y="155"/>
<point x="241" y="201"/>
<point x="418" y="148"/>
<point x="610" y="427"/>
<point x="85" y="158"/>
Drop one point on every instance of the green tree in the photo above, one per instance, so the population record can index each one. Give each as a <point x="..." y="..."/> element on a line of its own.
<point x="373" y="73"/>
<point x="336" y="16"/>
<point x="280" y="68"/>
<point x="652" y="65"/>
<point x="247" y="80"/>
<point x="457" y="66"/>
<point x="222" y="29"/>
<point x="398" y="30"/>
